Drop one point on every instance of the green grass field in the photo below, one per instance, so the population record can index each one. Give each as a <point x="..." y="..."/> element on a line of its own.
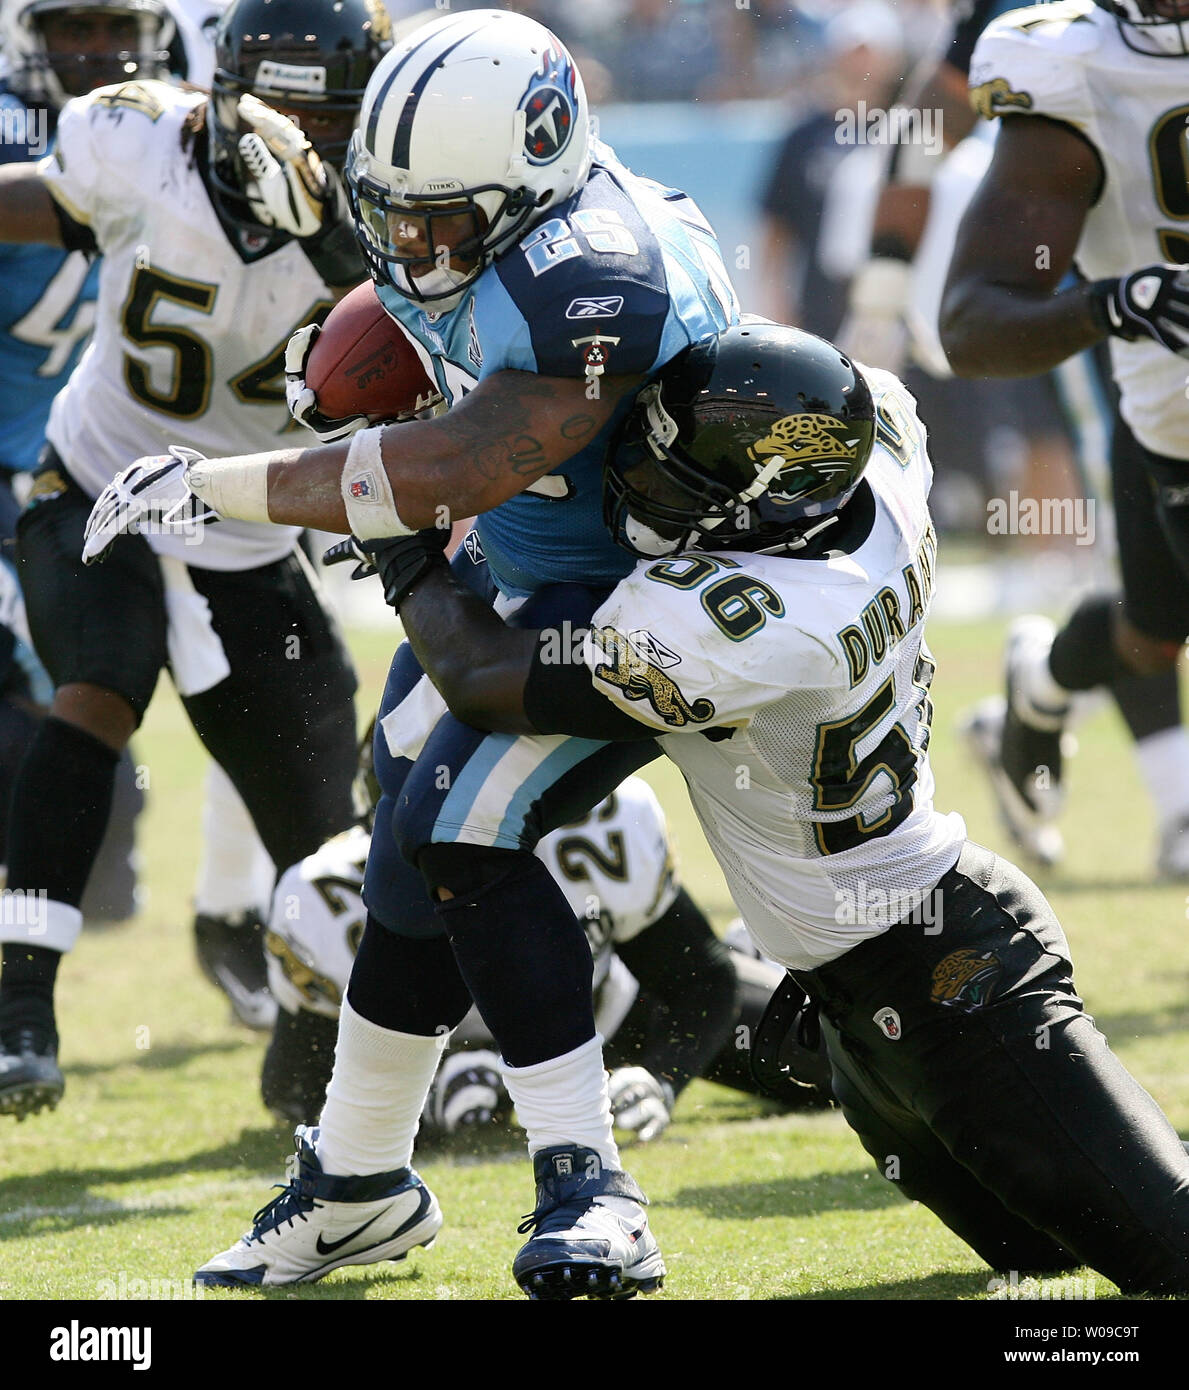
<point x="161" y="1150"/>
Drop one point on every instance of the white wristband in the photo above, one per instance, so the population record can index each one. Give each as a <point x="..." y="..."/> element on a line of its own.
<point x="236" y="488"/>
<point x="367" y="493"/>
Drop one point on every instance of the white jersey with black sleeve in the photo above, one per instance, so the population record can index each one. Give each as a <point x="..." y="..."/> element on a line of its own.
<point x="190" y="327"/>
<point x="795" y="696"/>
<point x="1068" y="62"/>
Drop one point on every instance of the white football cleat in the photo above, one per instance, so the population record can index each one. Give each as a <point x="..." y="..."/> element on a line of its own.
<point x="1027" y="798"/>
<point x="321" y="1222"/>
<point x="590" y="1234"/>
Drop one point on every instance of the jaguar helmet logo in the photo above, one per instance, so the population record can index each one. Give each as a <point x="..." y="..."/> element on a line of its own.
<point x="818" y="443"/>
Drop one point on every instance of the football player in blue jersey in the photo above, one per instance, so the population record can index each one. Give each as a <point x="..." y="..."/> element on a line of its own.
<point x="543" y="281"/>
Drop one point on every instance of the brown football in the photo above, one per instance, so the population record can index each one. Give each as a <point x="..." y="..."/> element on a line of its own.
<point x="364" y="363"/>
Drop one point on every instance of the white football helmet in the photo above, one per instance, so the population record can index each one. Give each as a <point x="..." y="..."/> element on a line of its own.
<point x="471" y="128"/>
<point x="1159" y="28"/>
<point x="43" y="73"/>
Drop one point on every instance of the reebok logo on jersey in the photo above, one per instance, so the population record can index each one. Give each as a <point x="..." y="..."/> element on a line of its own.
<point x="638" y="679"/>
<point x="595" y="307"/>
<point x="651" y="649"/>
<point x="474" y="547"/>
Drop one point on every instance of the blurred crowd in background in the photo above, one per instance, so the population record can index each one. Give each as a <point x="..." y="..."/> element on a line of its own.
<point x="753" y="125"/>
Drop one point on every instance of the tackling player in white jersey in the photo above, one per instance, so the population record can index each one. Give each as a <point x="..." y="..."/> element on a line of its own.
<point x="220" y="231"/>
<point x="787" y="670"/>
<point x="1089" y="170"/>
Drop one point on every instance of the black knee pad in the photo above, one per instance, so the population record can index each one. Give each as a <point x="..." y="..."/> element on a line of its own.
<point x="468" y="869"/>
<point x="1083" y="653"/>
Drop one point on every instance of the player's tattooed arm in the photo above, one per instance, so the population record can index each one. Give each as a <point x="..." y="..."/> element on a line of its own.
<point x="478" y="664"/>
<point x="1001" y="314"/>
<point x="509" y="680"/>
<point x="510" y="430"/>
<point x="26" y="207"/>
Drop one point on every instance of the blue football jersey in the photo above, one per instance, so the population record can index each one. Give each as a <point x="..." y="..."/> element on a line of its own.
<point x="47" y="308"/>
<point x="619" y="277"/>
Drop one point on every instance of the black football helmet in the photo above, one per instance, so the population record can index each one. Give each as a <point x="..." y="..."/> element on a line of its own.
<point x="746" y="441"/>
<point x="308" y="59"/>
<point x="57" y="49"/>
<point x="1157" y="28"/>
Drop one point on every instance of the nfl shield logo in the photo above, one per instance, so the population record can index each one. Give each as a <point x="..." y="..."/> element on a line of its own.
<point x="887" y="1020"/>
<point x="360" y="488"/>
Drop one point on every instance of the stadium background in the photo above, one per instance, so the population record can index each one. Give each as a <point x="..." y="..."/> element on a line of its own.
<point x="161" y="1146"/>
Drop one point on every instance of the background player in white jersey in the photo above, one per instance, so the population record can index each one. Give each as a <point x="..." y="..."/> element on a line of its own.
<point x="205" y="267"/>
<point x="52" y="50"/>
<point x="671" y="1001"/>
<point x="495" y="226"/>
<point x="1089" y="170"/>
<point x="793" y="652"/>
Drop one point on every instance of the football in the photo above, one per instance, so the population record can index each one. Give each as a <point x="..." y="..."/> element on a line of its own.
<point x="364" y="363"/>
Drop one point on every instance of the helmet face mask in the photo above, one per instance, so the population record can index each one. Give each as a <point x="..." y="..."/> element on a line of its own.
<point x="480" y="116"/>
<point x="751" y="441"/>
<point x="1155" y="28"/>
<point x="309" y="61"/>
<point x="58" y="49"/>
<point x="429" y="248"/>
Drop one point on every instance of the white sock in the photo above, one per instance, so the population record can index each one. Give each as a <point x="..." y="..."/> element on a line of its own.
<point x="1164" y="763"/>
<point x="1036" y="697"/>
<point x="376" y="1093"/>
<point x="564" y="1101"/>
<point x="235" y="873"/>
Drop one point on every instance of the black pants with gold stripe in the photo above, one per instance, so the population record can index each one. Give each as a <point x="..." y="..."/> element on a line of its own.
<point x="965" y="1061"/>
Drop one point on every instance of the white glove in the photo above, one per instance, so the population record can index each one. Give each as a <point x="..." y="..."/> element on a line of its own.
<point x="640" y="1102"/>
<point x="466" y="1091"/>
<point x="289" y="187"/>
<point x="302" y="402"/>
<point x="153" y="489"/>
<point x="875" y="330"/>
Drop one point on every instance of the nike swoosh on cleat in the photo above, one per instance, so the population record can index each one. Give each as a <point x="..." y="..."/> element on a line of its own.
<point x="329" y="1247"/>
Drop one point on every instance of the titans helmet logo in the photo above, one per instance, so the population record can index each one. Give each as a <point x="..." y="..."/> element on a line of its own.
<point x="550" y="107"/>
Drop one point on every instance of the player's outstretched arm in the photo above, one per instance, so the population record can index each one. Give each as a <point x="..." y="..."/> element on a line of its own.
<point x="1000" y="315"/>
<point x="26" y="208"/>
<point x="513" y="428"/>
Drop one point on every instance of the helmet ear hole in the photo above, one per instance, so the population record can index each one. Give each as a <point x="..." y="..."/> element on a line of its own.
<point x="710" y="453"/>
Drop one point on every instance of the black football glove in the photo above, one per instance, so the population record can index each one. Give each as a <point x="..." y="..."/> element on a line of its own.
<point x="401" y="561"/>
<point x="1149" y="303"/>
